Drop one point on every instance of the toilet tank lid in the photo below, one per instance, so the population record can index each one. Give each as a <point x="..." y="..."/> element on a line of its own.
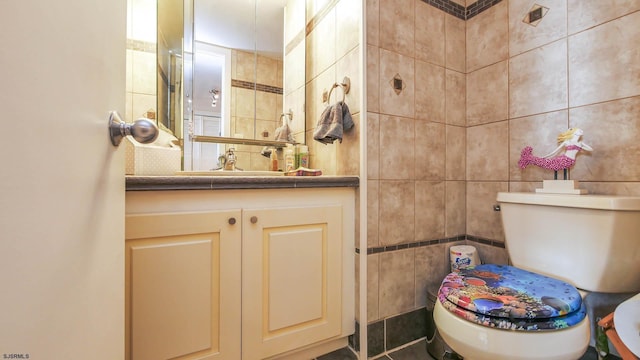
<point x="603" y="202"/>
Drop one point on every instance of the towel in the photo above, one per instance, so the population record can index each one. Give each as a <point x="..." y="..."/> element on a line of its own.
<point x="283" y="133"/>
<point x="335" y="119"/>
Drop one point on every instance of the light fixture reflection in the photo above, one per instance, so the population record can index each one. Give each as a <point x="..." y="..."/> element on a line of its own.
<point x="215" y="95"/>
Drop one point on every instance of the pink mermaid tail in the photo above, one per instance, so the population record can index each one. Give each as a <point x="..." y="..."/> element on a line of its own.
<point x="557" y="163"/>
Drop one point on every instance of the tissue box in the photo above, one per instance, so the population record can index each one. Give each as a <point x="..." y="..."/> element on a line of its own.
<point x="141" y="159"/>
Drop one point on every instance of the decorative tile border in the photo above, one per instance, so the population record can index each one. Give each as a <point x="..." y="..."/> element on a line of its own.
<point x="479" y="6"/>
<point x="259" y="87"/>
<point x="449" y="7"/>
<point x="480" y="240"/>
<point x="297" y="40"/>
<point x="459" y="11"/>
<point x="381" y="249"/>
<point x="320" y="14"/>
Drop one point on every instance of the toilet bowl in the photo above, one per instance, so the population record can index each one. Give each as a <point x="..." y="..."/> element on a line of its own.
<point x="586" y="242"/>
<point x="477" y="342"/>
<point x="502" y="312"/>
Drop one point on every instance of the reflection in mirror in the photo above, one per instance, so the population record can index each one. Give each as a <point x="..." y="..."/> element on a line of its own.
<point x="210" y="104"/>
<point x="234" y="86"/>
<point x="170" y="22"/>
<point x="141" y="60"/>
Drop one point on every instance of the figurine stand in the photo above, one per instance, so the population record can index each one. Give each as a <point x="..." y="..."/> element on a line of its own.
<point x="561" y="187"/>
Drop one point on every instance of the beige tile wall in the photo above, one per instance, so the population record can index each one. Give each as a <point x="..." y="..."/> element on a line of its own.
<point x="141" y="61"/>
<point x="476" y="92"/>
<point x="487" y="94"/>
<point x="579" y="67"/>
<point x="538" y="80"/>
<point x="141" y="84"/>
<point x="601" y="69"/>
<point x="333" y="53"/>
<point x="267" y="106"/>
<point x="525" y="38"/>
<point x="486" y="37"/>
<point x="416" y="145"/>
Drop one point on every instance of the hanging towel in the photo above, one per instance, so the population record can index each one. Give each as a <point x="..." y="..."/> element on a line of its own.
<point x="335" y="119"/>
<point x="283" y="133"/>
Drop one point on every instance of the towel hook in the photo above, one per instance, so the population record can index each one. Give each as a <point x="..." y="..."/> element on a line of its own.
<point x="346" y="86"/>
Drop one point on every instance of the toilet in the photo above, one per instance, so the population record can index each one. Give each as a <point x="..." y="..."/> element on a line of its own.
<point x="561" y="247"/>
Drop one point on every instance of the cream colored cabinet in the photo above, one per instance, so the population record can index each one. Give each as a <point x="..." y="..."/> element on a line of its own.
<point x="182" y="292"/>
<point x="291" y="278"/>
<point x="262" y="274"/>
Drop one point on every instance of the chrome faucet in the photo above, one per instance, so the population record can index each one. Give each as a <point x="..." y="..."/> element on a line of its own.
<point x="230" y="163"/>
<point x="227" y="161"/>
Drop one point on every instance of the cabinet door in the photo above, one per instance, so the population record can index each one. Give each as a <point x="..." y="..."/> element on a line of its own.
<point x="292" y="278"/>
<point x="182" y="284"/>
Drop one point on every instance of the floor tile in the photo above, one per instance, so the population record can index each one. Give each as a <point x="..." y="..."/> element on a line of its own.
<point x="340" y="354"/>
<point x="417" y="351"/>
<point x="591" y="354"/>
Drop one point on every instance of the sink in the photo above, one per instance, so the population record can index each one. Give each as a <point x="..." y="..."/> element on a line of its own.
<point x="230" y="173"/>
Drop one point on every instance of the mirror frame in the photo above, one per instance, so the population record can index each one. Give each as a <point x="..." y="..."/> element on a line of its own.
<point x="170" y="20"/>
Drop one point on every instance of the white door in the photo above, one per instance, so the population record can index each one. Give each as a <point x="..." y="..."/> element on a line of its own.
<point x="61" y="181"/>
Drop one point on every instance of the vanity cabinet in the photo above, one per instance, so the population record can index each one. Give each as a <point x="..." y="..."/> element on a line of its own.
<point x="182" y="279"/>
<point x="239" y="274"/>
<point x="291" y="278"/>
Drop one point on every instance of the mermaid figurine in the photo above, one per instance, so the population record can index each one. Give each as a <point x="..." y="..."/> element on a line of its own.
<point x="569" y="141"/>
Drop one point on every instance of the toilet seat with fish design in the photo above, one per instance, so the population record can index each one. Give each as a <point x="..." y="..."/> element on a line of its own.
<point x="506" y="297"/>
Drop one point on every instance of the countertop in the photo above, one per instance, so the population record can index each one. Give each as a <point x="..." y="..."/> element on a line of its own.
<point x="158" y="183"/>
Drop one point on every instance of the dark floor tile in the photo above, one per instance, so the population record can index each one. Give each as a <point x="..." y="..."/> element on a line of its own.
<point x="405" y="328"/>
<point x="354" y="339"/>
<point x="591" y="354"/>
<point x="417" y="351"/>
<point x="340" y="354"/>
<point x="375" y="338"/>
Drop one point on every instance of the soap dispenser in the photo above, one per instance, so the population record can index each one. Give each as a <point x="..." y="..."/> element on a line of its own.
<point x="274" y="159"/>
<point x="303" y="156"/>
<point x="289" y="159"/>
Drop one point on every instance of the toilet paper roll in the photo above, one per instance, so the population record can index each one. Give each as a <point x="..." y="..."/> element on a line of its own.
<point x="463" y="256"/>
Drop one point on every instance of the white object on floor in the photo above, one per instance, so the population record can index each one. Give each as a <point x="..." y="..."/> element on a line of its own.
<point x="627" y="320"/>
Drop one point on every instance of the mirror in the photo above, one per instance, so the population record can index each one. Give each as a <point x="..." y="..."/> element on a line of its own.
<point x="169" y="50"/>
<point x="241" y="66"/>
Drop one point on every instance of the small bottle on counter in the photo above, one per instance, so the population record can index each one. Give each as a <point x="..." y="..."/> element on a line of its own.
<point x="304" y="156"/>
<point x="297" y="153"/>
<point x="274" y="159"/>
<point x="289" y="159"/>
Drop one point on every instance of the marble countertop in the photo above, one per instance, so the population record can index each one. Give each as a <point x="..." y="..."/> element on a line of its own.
<point x="158" y="183"/>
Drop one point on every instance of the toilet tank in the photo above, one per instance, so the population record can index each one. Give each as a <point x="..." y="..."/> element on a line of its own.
<point x="590" y="241"/>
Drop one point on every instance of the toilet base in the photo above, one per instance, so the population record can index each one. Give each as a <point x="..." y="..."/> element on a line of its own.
<point x="436" y="347"/>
